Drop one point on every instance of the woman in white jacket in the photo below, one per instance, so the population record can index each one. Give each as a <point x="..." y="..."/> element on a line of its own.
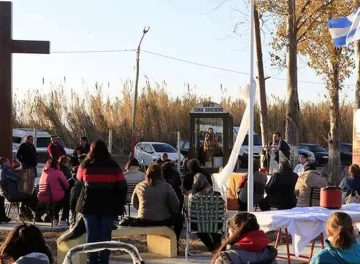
<point x="25" y="244"/>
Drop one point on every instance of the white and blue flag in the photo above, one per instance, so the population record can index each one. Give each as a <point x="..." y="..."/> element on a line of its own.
<point x="345" y="30"/>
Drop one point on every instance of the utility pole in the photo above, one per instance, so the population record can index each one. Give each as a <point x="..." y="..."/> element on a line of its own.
<point x="133" y="129"/>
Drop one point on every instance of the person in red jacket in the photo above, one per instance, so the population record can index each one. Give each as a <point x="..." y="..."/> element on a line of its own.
<point x="246" y="243"/>
<point x="54" y="149"/>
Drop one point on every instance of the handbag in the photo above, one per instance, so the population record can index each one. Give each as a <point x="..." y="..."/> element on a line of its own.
<point x="353" y="197"/>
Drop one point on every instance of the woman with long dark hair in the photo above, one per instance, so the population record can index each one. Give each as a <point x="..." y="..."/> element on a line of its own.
<point x="25" y="244"/>
<point x="193" y="166"/>
<point x="246" y="243"/>
<point x="103" y="196"/>
<point x="173" y="178"/>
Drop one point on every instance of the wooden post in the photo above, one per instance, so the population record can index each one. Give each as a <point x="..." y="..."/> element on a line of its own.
<point x="7" y="47"/>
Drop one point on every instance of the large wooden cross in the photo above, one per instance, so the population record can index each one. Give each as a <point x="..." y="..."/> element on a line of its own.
<point x="7" y="47"/>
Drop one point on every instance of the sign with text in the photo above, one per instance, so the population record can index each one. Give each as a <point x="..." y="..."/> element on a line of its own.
<point x="356" y="137"/>
<point x="208" y="108"/>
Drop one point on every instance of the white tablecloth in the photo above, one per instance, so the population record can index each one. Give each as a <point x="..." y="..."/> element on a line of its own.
<point x="303" y="223"/>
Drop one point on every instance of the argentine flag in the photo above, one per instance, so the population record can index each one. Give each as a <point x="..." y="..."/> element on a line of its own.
<point x="345" y="30"/>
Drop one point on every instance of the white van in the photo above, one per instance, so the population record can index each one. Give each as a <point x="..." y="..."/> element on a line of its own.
<point x="257" y="148"/>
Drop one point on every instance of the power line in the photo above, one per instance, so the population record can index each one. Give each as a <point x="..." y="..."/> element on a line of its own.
<point x="194" y="63"/>
<point x="92" y="51"/>
<point x="180" y="60"/>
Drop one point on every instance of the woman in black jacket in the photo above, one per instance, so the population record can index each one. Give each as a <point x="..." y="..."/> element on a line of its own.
<point x="173" y="178"/>
<point x="194" y="168"/>
<point x="280" y="189"/>
<point x="103" y="196"/>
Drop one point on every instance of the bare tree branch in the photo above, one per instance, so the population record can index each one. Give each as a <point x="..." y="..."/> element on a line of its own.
<point x="302" y="12"/>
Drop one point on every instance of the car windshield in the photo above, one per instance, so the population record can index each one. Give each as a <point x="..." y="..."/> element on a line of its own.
<point x="346" y="148"/>
<point x="164" y="148"/>
<point x="42" y="142"/>
<point x="17" y="140"/>
<point x="317" y="148"/>
<point x="257" y="140"/>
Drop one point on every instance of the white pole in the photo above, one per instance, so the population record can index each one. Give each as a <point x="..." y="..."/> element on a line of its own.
<point x="110" y="141"/>
<point x="250" y="200"/>
<point x="178" y="150"/>
<point x="35" y="137"/>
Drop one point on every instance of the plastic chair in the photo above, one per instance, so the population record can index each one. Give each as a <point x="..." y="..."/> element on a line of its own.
<point x="8" y="204"/>
<point x="131" y="187"/>
<point x="208" y="214"/>
<point x="314" y="196"/>
<point x="50" y="206"/>
<point x="98" y="246"/>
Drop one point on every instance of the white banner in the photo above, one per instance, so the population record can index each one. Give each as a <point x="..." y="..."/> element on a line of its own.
<point x="221" y="178"/>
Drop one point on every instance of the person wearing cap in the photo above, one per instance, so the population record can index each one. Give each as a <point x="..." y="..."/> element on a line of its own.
<point x="299" y="169"/>
<point x="55" y="150"/>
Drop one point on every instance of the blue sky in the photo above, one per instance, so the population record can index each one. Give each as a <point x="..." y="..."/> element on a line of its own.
<point x="186" y="29"/>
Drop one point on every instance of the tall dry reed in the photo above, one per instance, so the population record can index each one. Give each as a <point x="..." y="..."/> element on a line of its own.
<point x="158" y="117"/>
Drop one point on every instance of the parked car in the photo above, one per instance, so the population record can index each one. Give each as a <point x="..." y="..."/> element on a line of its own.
<point x="244" y="150"/>
<point x="346" y="153"/>
<point x="185" y="146"/>
<point x="148" y="152"/>
<point x="311" y="155"/>
<point x="321" y="155"/>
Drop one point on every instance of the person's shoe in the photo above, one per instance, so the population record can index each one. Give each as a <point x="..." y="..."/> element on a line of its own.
<point x="63" y="223"/>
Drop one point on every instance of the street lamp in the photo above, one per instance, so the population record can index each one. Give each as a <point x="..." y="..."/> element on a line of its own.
<point x="133" y="130"/>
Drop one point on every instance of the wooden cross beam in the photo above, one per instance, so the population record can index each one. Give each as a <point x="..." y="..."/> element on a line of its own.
<point x="7" y="47"/>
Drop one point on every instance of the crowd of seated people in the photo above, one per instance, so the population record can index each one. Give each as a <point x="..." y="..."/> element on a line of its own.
<point x="57" y="186"/>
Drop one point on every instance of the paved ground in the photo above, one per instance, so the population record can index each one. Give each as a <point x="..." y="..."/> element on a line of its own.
<point x="203" y="258"/>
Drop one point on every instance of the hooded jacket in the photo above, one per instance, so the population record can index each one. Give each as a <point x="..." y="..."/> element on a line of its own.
<point x="252" y="248"/>
<point x="308" y="180"/>
<point x="332" y="255"/>
<point x="33" y="258"/>
<point x="58" y="184"/>
<point x="281" y="189"/>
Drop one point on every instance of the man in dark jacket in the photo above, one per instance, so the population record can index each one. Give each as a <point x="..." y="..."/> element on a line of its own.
<point x="83" y="148"/>
<point x="276" y="145"/>
<point x="11" y="192"/>
<point x="54" y="149"/>
<point x="27" y="154"/>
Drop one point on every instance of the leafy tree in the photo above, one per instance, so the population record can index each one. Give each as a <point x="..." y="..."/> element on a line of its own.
<point x="335" y="65"/>
<point x="295" y="19"/>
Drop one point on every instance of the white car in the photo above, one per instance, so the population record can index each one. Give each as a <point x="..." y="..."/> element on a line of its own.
<point x="148" y="152"/>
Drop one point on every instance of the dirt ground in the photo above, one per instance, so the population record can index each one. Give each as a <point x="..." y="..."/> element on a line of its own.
<point x="138" y="241"/>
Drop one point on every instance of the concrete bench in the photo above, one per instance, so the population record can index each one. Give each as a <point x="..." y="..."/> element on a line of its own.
<point x="161" y="240"/>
